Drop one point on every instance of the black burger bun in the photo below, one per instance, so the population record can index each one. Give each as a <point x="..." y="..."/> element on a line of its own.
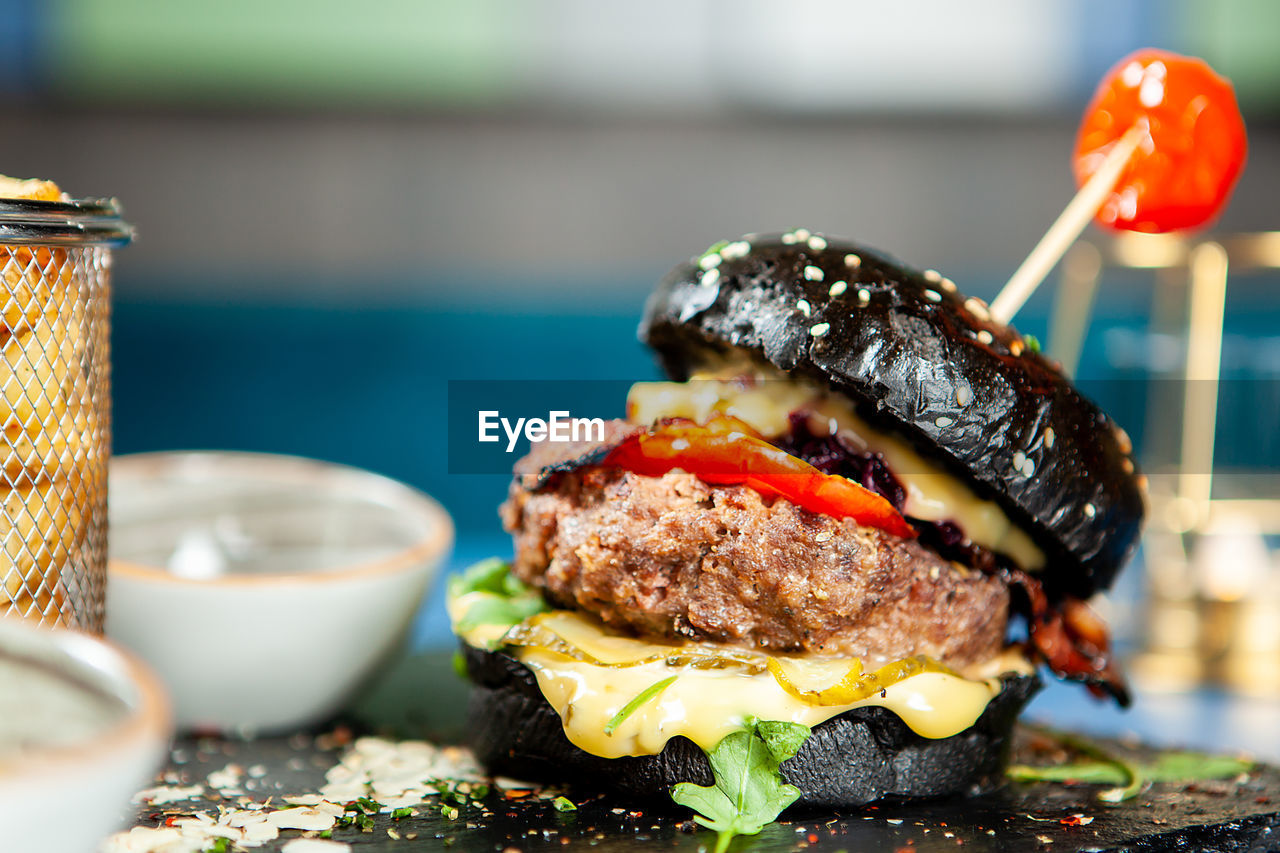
<point x="858" y="757"/>
<point x="918" y="358"/>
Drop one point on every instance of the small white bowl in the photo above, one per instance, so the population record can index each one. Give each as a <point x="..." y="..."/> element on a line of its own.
<point x="264" y="589"/>
<point x="83" y="726"/>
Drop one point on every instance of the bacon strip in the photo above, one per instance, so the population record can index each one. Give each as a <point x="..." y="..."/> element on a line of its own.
<point x="1070" y="638"/>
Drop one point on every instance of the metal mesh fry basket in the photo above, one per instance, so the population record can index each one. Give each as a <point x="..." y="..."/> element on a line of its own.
<point x="55" y="404"/>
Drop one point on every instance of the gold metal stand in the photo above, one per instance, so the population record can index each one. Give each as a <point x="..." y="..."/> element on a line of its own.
<point x="1212" y="613"/>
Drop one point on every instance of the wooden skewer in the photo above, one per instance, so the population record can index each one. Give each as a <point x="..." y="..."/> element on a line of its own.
<point x="1067" y="227"/>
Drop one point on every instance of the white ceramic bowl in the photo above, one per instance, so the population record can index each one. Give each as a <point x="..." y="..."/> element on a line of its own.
<point x="264" y="589"/>
<point x="83" y="726"/>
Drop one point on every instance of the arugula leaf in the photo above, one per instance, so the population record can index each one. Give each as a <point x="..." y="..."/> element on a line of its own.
<point x="503" y="598"/>
<point x="640" y="698"/>
<point x="749" y="792"/>
<point x="1101" y="767"/>
<point x="1194" y="766"/>
<point x="485" y="576"/>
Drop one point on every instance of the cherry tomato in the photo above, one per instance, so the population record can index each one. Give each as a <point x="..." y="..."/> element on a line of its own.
<point x="1183" y="172"/>
<point x="727" y="452"/>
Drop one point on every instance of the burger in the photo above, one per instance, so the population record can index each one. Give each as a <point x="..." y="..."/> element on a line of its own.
<point x="827" y="558"/>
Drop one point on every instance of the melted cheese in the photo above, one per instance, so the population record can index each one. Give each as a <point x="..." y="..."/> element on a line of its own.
<point x="706" y="703"/>
<point x="932" y="493"/>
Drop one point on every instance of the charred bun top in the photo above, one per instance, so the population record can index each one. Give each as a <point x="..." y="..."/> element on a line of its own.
<point x="918" y="358"/>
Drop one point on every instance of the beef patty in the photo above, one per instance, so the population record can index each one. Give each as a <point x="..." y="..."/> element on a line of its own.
<point x="671" y="557"/>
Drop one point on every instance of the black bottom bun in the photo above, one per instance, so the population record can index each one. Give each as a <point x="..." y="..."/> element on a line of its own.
<point x="862" y="755"/>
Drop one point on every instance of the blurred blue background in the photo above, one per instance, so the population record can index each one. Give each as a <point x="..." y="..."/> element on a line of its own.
<point x="342" y="206"/>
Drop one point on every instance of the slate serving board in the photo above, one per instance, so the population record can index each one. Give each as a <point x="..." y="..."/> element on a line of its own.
<point x="1234" y="815"/>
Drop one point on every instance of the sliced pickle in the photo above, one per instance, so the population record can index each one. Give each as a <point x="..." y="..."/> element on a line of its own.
<point x="532" y="634"/>
<point x="857" y="685"/>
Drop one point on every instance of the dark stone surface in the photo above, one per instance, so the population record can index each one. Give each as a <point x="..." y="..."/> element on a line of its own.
<point x="913" y="359"/>
<point x="1230" y="816"/>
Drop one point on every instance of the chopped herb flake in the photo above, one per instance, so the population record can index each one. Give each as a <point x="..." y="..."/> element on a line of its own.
<point x="714" y="249"/>
<point x="630" y="708"/>
<point x="564" y="804"/>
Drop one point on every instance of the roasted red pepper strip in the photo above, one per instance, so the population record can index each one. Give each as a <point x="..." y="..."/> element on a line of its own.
<point x="727" y="452"/>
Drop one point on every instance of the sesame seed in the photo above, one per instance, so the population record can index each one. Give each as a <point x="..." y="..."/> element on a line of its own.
<point x="1090" y="510"/>
<point x="864" y="296"/>
<point x="812" y="273"/>
<point x="802" y="234"/>
<point x="838" y="288"/>
<point x="736" y="250"/>
<point x="1016" y="347"/>
<point x="1028" y="467"/>
<point x="963" y="395"/>
<point x="944" y="421"/>
<point x="819" y="329"/>
<point x="1048" y="437"/>
<point x="977" y="308"/>
<point x="1126" y="446"/>
<point x="933" y="276"/>
<point x="824" y="536"/>
<point x="948" y="285"/>
<point x="804" y="307"/>
<point x="985" y="337"/>
<point x="1127" y="465"/>
<point x="710" y="261"/>
<point x="1018" y="459"/>
<point x="933" y="296"/>
<point x="788" y="238"/>
<point x="852" y="261"/>
<point x="710" y="277"/>
<point x="817" y="243"/>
